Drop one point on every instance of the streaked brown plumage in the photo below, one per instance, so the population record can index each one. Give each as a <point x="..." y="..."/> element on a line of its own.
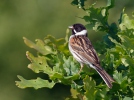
<point x="83" y="51"/>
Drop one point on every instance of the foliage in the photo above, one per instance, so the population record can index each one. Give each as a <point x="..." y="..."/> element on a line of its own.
<point x="54" y="59"/>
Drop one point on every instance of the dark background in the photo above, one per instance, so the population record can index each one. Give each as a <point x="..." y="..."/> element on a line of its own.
<point x="36" y="19"/>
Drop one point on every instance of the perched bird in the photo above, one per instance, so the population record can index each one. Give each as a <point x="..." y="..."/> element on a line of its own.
<point x="83" y="51"/>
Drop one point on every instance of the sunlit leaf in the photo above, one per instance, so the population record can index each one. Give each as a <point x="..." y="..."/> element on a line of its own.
<point x="110" y="3"/>
<point x="57" y="44"/>
<point x="74" y="93"/>
<point x="119" y="77"/>
<point x="126" y="23"/>
<point x="38" y="64"/>
<point x="127" y="98"/>
<point x="39" y="46"/>
<point x="35" y="83"/>
<point x="116" y="52"/>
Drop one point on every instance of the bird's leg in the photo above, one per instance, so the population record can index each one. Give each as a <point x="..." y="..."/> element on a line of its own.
<point x="81" y="68"/>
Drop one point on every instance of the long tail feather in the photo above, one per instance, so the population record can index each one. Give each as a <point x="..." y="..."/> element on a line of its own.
<point x="106" y="77"/>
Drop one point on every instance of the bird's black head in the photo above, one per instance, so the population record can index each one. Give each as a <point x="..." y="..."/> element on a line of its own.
<point x="78" y="29"/>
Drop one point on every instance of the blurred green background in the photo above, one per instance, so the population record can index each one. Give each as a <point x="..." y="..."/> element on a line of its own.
<point x="36" y="19"/>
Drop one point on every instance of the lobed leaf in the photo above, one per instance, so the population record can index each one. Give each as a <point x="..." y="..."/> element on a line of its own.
<point x="110" y="3"/>
<point x="119" y="77"/>
<point x="35" y="83"/>
<point x="117" y="57"/>
<point x="127" y="98"/>
<point x="40" y="46"/>
<point x="58" y="44"/>
<point x="126" y="22"/>
<point x="89" y="87"/>
<point x="38" y="64"/>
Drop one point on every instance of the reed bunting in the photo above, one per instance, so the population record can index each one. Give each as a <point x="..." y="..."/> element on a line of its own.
<point x="83" y="51"/>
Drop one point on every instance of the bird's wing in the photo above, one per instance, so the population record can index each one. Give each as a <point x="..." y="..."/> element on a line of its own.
<point x="84" y="48"/>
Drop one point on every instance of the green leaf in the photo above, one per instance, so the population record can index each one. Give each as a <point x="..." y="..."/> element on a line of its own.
<point x="58" y="63"/>
<point x="70" y="66"/>
<point x="39" y="46"/>
<point x="119" y="78"/>
<point x="129" y="61"/>
<point x="116" y="55"/>
<point x="56" y="75"/>
<point x="128" y="32"/>
<point x="79" y="3"/>
<point x="89" y="87"/>
<point x="96" y="17"/>
<point x="110" y="3"/>
<point x="77" y="85"/>
<point x="126" y="23"/>
<point x="127" y="45"/>
<point x="57" y="44"/>
<point x="123" y="60"/>
<point x="35" y="83"/>
<point x="101" y="94"/>
<point x="38" y="64"/>
<point x="65" y="69"/>
<point x="74" y="93"/>
<point x="127" y="98"/>
<point x="120" y="20"/>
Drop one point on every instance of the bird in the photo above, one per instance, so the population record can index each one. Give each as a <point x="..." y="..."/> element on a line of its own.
<point x="82" y="50"/>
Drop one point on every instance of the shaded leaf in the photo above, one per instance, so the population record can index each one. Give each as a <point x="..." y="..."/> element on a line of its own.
<point x="98" y="17"/>
<point x="70" y="66"/>
<point x="78" y="3"/>
<point x="101" y="94"/>
<point x="89" y="87"/>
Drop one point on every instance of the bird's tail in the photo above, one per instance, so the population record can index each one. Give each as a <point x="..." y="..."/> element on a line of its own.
<point x="106" y="77"/>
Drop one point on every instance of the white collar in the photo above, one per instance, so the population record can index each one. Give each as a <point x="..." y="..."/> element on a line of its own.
<point x="83" y="32"/>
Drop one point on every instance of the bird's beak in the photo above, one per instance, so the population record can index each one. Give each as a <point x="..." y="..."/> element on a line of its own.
<point x="70" y="27"/>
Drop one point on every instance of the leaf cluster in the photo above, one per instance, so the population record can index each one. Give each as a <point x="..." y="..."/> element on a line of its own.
<point x="53" y="58"/>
